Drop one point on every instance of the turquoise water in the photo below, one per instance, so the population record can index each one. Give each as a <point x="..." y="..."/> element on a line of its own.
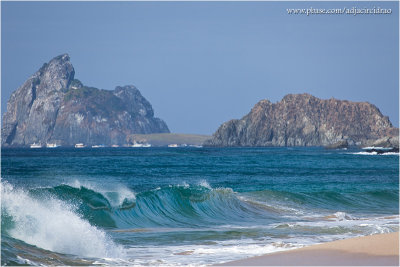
<point x="172" y="206"/>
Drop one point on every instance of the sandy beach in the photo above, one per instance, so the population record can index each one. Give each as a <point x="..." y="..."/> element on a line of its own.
<point x="374" y="250"/>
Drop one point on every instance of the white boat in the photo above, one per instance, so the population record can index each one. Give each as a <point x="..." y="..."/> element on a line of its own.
<point x="97" y="146"/>
<point x="197" y="146"/>
<point x="140" y="145"/>
<point x="51" y="145"/>
<point x="115" y="146"/>
<point x="34" y="145"/>
<point x="79" y="145"/>
<point x="173" y="145"/>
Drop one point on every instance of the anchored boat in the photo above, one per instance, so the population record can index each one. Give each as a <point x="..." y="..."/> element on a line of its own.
<point x="79" y="145"/>
<point x="34" y="145"/>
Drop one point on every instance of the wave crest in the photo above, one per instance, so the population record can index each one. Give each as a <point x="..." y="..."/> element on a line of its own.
<point x="52" y="224"/>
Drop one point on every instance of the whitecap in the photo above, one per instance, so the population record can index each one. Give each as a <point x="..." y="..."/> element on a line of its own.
<point x="116" y="194"/>
<point x="51" y="224"/>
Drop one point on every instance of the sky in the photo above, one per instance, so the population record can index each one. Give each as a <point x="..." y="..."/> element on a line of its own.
<point x="203" y="63"/>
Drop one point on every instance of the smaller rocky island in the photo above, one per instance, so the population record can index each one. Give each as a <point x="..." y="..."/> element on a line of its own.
<point x="305" y="120"/>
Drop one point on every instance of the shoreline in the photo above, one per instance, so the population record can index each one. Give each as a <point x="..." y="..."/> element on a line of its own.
<point x="373" y="250"/>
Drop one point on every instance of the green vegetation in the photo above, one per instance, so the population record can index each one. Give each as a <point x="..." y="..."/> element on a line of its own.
<point x="96" y="101"/>
<point x="164" y="139"/>
<point x="76" y="84"/>
<point x="82" y="93"/>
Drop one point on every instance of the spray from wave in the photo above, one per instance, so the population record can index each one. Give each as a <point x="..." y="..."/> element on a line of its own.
<point x="116" y="194"/>
<point x="51" y="224"/>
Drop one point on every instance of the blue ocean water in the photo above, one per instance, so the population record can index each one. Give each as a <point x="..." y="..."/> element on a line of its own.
<point x="178" y="206"/>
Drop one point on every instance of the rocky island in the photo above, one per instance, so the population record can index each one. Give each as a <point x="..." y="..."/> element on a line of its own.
<point x="305" y="120"/>
<point x="54" y="107"/>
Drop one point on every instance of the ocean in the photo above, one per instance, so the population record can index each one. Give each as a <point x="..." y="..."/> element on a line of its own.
<point x="181" y="206"/>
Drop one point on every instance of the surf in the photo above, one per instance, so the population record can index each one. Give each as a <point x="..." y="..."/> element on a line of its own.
<point x="51" y="224"/>
<point x="182" y="205"/>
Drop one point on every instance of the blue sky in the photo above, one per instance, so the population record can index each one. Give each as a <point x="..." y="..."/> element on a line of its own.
<point x="203" y="63"/>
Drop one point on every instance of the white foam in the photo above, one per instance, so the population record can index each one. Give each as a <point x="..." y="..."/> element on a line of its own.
<point x="199" y="255"/>
<point x="342" y="216"/>
<point x="53" y="225"/>
<point x="391" y="153"/>
<point x="374" y="153"/>
<point x="24" y="261"/>
<point x="250" y="249"/>
<point x="341" y="220"/>
<point x="185" y="185"/>
<point x="275" y="205"/>
<point x="377" y="147"/>
<point x="205" y="184"/>
<point x="365" y="153"/>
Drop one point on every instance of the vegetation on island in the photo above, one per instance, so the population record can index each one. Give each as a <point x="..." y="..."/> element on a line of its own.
<point x="164" y="139"/>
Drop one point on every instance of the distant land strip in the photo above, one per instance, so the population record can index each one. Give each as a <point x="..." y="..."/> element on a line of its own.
<point x="165" y="139"/>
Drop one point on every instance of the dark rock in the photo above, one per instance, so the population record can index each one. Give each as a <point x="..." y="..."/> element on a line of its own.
<point x="52" y="106"/>
<point x="386" y="142"/>
<point x="383" y="151"/>
<point x="304" y="120"/>
<point x="338" y="145"/>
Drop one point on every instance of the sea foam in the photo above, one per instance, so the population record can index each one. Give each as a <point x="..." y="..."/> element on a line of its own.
<point x="53" y="225"/>
<point x="375" y="153"/>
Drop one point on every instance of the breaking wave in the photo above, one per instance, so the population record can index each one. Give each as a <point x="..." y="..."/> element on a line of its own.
<point x="52" y="224"/>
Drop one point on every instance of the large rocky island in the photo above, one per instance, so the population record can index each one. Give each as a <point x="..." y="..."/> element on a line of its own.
<point x="304" y="120"/>
<point x="54" y="107"/>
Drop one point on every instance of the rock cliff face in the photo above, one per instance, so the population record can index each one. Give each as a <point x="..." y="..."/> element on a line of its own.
<point x="53" y="107"/>
<point x="304" y="120"/>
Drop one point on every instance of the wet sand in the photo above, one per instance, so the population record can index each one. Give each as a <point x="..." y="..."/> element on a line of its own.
<point x="374" y="250"/>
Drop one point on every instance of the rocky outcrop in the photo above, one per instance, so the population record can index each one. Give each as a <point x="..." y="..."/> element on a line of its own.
<point x="387" y="141"/>
<point x="338" y="145"/>
<point x="53" y="107"/>
<point x="304" y="120"/>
